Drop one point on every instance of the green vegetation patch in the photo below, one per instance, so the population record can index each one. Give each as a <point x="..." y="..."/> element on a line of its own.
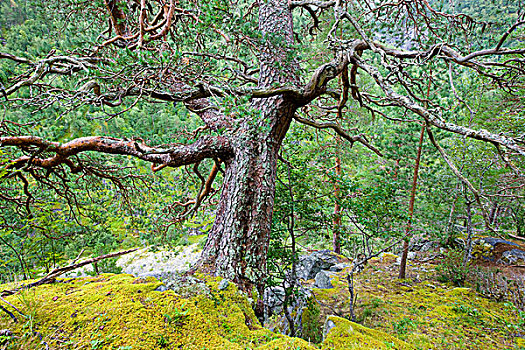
<point x="350" y="335"/>
<point x="123" y="312"/>
<point x="424" y="314"/>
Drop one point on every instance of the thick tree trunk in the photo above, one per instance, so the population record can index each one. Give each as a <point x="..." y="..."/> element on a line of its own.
<point x="238" y="242"/>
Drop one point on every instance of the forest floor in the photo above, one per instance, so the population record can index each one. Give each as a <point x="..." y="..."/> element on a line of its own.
<point x="125" y="312"/>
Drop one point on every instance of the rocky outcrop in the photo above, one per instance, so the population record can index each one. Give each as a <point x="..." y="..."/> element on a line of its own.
<point x="309" y="265"/>
<point x="513" y="257"/>
<point x="422" y="245"/>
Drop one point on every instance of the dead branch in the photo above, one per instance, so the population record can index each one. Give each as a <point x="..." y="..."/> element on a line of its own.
<point x="361" y="138"/>
<point x="51" y="276"/>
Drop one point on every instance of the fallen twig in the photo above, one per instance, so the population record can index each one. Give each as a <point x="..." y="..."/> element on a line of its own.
<point x="15" y="320"/>
<point x="50" y="277"/>
<point x="14" y="307"/>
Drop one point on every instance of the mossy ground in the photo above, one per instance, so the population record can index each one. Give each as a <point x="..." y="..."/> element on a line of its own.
<point x="424" y="313"/>
<point x="122" y="312"/>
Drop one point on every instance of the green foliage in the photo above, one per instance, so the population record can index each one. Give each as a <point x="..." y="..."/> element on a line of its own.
<point x="404" y="325"/>
<point x="452" y="269"/>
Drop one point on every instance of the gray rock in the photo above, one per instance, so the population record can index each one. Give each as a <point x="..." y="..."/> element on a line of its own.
<point x="422" y="245"/>
<point x="223" y="284"/>
<point x="328" y="326"/>
<point x="494" y="241"/>
<point x="339" y="267"/>
<point x="161" y="288"/>
<point x="309" y="265"/>
<point x="274" y="299"/>
<point x="513" y="257"/>
<point x="322" y="280"/>
<point x="484" y="247"/>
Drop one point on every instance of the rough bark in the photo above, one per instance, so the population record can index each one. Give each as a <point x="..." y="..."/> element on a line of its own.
<point x="238" y="242"/>
<point x="336" y="239"/>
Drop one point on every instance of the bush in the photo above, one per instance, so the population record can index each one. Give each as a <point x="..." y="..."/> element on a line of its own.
<point x="451" y="269"/>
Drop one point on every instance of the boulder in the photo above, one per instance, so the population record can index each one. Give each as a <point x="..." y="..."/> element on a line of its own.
<point x="310" y="265"/>
<point x="273" y="299"/>
<point x="322" y="280"/>
<point x="484" y="247"/>
<point x="422" y="245"/>
<point x="513" y="257"/>
<point x="494" y="241"/>
<point x="339" y="267"/>
<point x="328" y="326"/>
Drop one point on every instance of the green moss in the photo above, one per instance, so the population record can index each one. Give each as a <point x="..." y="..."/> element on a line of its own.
<point x="426" y="315"/>
<point x="311" y="322"/>
<point x="196" y="238"/>
<point x="120" y="311"/>
<point x="284" y="343"/>
<point x="350" y="335"/>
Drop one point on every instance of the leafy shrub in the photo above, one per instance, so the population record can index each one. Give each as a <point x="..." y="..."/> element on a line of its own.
<point x="451" y="269"/>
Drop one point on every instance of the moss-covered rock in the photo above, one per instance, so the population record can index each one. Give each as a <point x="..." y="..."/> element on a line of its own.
<point x="121" y="312"/>
<point x="424" y="313"/>
<point x="124" y="312"/>
<point x="349" y="335"/>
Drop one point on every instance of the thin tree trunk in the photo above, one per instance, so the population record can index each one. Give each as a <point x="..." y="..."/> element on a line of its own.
<point x="450" y="224"/>
<point x="336" y="242"/>
<point x="402" y="267"/>
<point x="468" y="245"/>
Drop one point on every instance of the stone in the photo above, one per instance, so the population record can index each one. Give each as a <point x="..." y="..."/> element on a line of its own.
<point x="309" y="265"/>
<point x="161" y="288"/>
<point x="339" y="267"/>
<point x="494" y="241"/>
<point x="422" y="245"/>
<point x="223" y="284"/>
<point x="513" y="257"/>
<point x="273" y="299"/>
<point x="322" y="280"/>
<point x="484" y="247"/>
<point x="328" y="326"/>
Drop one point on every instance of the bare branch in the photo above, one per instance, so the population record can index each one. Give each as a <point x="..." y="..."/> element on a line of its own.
<point x="361" y="138"/>
<point x="319" y="4"/>
<point x="406" y="102"/>
<point x="51" y="276"/>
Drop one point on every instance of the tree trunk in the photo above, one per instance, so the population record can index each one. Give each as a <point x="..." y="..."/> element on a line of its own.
<point x="404" y="257"/>
<point x="237" y="244"/>
<point x="336" y="241"/>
